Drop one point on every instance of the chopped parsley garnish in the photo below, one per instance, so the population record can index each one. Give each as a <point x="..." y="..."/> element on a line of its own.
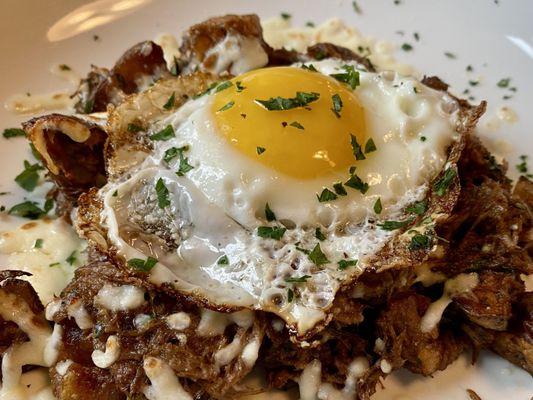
<point x="223" y="260"/>
<point x="356" y="148"/>
<point x="317" y="256"/>
<point x="115" y="193"/>
<point x="420" y="242"/>
<point x="38" y="244"/>
<point x="54" y="264"/>
<point x="88" y="106"/>
<point x="416" y="35"/>
<point x="290" y="295"/>
<point x="407" y="47"/>
<point x="473" y="83"/>
<point x="503" y="83"/>
<point x="441" y="186"/>
<point x="170" y="102"/>
<point x="319" y="235"/>
<point x="269" y="214"/>
<point x="28" y="178"/>
<point x="297" y="279"/>
<point x="309" y="67"/>
<point x="343" y="264"/>
<point x="352" y="170"/>
<point x="271" y="232"/>
<point x="224" y="85"/>
<point x="227" y="106"/>
<point x="134" y="128"/>
<point x="339" y="189"/>
<point x="143" y="265"/>
<point x="377" y="206"/>
<point x="370" y="146"/>
<point x="297" y="125"/>
<point x="184" y="165"/>
<point x="423" y="138"/>
<point x="319" y="55"/>
<point x="364" y="51"/>
<point x="175" y="69"/>
<point x="96" y="38"/>
<point x="13" y="132"/>
<point x="305" y="251"/>
<point x="393" y="225"/>
<point x="239" y="86"/>
<point x="450" y="55"/>
<point x="417" y="208"/>
<point x="326" y="195"/>
<point x="64" y="67"/>
<point x="469" y="68"/>
<point x="162" y="194"/>
<point x="209" y="88"/>
<point x="356" y="183"/>
<point x="302" y="99"/>
<point x="30" y="209"/>
<point x="260" y="150"/>
<point x="523" y="167"/>
<point x="71" y="259"/>
<point x="164" y="134"/>
<point x="350" y="76"/>
<point x="337" y="105"/>
<point x="356" y="7"/>
<point x="170" y="154"/>
<point x="285" y="15"/>
<point x="310" y="24"/>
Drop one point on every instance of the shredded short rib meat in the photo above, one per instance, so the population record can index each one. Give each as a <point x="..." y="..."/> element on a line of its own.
<point x="192" y="356"/>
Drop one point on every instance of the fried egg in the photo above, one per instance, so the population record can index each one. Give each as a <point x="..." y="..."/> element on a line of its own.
<point x="267" y="192"/>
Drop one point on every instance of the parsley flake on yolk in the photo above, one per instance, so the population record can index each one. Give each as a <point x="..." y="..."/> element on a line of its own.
<point x="321" y="148"/>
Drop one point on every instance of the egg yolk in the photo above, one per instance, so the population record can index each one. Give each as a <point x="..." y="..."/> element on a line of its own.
<point x="309" y="138"/>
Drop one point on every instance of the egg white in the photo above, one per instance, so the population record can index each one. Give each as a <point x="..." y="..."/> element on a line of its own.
<point x="217" y="207"/>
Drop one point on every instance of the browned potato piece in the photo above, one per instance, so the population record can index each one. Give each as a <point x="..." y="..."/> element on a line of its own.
<point x="72" y="150"/>
<point x="140" y="64"/>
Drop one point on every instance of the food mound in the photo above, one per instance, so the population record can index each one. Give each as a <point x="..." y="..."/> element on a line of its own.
<point x="303" y="214"/>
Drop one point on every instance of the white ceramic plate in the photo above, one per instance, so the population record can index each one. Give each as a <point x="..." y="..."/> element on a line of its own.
<point x="495" y="37"/>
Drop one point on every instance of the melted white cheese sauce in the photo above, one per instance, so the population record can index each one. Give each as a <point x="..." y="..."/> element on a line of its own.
<point x="48" y="263"/>
<point x="250" y="352"/>
<point x="104" y="359"/>
<point x="228" y="353"/>
<point x="460" y="284"/>
<point x="63" y="366"/>
<point x="40" y="350"/>
<point x="38" y="103"/>
<point x="213" y="323"/>
<point x="77" y="311"/>
<point x="178" y="321"/>
<point x="312" y="387"/>
<point x="120" y="298"/>
<point x="170" y="47"/>
<point x="165" y="385"/>
<point x="235" y="54"/>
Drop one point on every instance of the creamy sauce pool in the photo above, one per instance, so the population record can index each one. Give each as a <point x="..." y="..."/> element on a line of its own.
<point x="43" y="248"/>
